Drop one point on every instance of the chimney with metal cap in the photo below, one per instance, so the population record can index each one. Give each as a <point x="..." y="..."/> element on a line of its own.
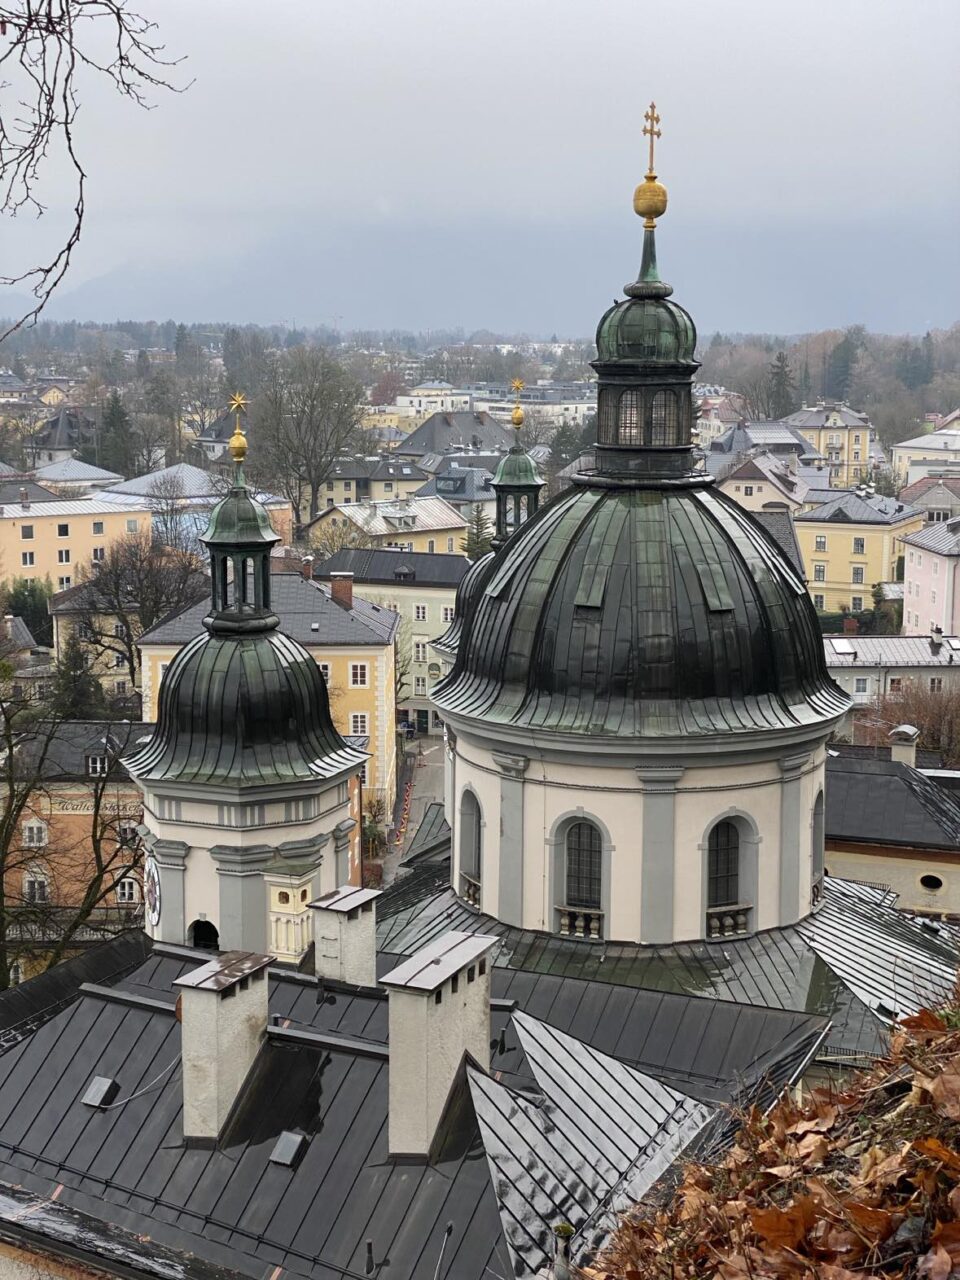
<point x="306" y="567"/>
<point x="903" y="744"/>
<point x="24" y="498"/>
<point x="341" y="589"/>
<point x="345" y="935"/>
<point x="439" y="1010"/>
<point x="223" y="1013"/>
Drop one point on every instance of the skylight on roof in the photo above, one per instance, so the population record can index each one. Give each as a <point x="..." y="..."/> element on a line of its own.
<point x="844" y="647"/>
<point x="289" y="1149"/>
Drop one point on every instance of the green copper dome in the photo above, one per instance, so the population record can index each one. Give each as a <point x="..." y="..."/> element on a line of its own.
<point x="517" y="468"/>
<point x="239" y="520"/>
<point x="646" y="331"/>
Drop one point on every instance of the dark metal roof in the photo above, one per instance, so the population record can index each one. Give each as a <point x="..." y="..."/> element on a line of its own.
<point x="19" y="634"/>
<point x="467" y="592"/>
<point x="830" y="964"/>
<point x="885" y="802"/>
<point x="394" y="567"/>
<point x="445" y="431"/>
<point x="459" y="485"/>
<point x="323" y="1073"/>
<point x="306" y="612"/>
<point x="641" y="611"/>
<point x="62" y="749"/>
<point x="245" y="710"/>
<point x="14" y="491"/>
<point x="849" y="508"/>
<point x="432" y="837"/>
<point x="942" y="537"/>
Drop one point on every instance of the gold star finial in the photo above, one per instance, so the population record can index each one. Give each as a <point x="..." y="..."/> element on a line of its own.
<point x="238" y="441"/>
<point x="517" y="416"/>
<point x="650" y="198"/>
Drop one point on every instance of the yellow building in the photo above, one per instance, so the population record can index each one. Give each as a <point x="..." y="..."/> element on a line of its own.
<point x="422" y="590"/>
<point x="412" y="524"/>
<point x="352" y="641"/>
<point x="843" y="436"/>
<point x="371" y="480"/>
<point x="764" y="483"/>
<point x="54" y="539"/>
<point x="849" y="543"/>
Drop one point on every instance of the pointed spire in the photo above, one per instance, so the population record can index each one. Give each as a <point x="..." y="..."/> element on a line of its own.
<point x="649" y="203"/>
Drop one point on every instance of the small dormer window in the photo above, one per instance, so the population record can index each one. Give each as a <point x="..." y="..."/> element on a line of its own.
<point x="97" y="766"/>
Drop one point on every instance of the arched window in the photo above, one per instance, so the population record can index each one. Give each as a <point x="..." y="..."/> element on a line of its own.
<point x="471" y="859"/>
<point x="607" y="416"/>
<point x="584" y="860"/>
<point x="664" y="419"/>
<point x="628" y="419"/>
<point x="203" y="934"/>
<point x="816" y="852"/>
<point x="723" y="866"/>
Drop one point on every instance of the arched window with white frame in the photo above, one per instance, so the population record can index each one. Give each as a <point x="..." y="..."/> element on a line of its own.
<point x="728" y="911"/>
<point x="580" y="909"/>
<point x="471" y="848"/>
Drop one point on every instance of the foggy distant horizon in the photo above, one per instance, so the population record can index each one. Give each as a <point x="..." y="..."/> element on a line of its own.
<point x="430" y="167"/>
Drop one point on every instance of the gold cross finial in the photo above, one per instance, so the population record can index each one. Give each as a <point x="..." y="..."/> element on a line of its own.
<point x="650" y="130"/>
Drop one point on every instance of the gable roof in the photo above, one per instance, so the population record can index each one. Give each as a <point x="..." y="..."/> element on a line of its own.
<point x="306" y="612"/>
<point x="19" y="634"/>
<point x="73" y="469"/>
<point x="464" y="430"/>
<point x="891" y="651"/>
<point x="16" y="490"/>
<point x="886" y="802"/>
<point x="67" y="429"/>
<point x="947" y="439"/>
<point x="394" y="567"/>
<point x="818" y="416"/>
<point x="383" y="519"/>
<point x="850" y="508"/>
<point x="941" y="537"/>
<point x="375" y="469"/>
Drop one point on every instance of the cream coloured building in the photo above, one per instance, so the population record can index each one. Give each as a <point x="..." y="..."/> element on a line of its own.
<point x="55" y="540"/>
<point x="412" y="524"/>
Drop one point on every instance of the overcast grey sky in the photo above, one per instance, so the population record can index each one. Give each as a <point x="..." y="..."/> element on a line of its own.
<point x="427" y="163"/>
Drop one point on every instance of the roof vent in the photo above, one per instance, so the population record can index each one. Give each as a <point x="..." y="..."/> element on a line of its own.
<point x="289" y="1149"/>
<point x="101" y="1092"/>
<point x="314" y="626"/>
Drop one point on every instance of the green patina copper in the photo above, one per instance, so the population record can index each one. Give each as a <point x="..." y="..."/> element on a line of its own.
<point x="518" y="469"/>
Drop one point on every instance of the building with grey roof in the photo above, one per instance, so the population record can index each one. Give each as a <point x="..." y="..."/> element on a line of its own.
<point x="444" y="432"/>
<point x="70" y="474"/>
<point x="61" y="436"/>
<point x="463" y="487"/>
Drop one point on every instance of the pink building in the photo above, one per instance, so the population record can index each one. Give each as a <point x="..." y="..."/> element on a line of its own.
<point x="931" y="591"/>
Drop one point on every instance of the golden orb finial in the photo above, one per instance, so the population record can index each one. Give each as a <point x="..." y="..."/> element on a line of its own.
<point x="650" y="197"/>
<point x="237" y="443"/>
<point x="517" y="416"/>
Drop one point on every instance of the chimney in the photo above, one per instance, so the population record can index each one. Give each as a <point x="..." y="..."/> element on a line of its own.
<point x="223" y="1014"/>
<point x="439" y="1010"/>
<point x="24" y="498"/>
<point x="903" y="744"/>
<point x="306" y="568"/>
<point x="7" y="626"/>
<point x="341" y="589"/>
<point x="345" y="935"/>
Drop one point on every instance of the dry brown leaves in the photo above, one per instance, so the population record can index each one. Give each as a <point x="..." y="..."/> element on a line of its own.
<point x="861" y="1183"/>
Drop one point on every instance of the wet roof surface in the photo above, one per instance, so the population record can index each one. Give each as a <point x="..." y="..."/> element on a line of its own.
<point x="127" y="1171"/>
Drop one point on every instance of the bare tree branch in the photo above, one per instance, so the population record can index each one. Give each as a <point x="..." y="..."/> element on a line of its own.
<point x="49" y="42"/>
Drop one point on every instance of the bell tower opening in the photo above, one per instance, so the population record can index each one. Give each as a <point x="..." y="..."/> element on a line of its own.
<point x="204" y="935"/>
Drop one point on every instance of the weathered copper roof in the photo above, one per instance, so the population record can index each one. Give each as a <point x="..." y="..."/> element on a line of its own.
<point x="640" y="611"/>
<point x="246" y="710"/>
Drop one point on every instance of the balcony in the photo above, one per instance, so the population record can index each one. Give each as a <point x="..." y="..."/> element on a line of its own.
<point x="580" y="922"/>
<point x="470" y="890"/>
<point x="37" y="924"/>
<point x="728" y="922"/>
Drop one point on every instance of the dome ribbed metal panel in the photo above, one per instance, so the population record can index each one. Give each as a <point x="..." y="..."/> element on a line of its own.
<point x="641" y="612"/>
<point x="243" y="711"/>
<point x="466" y="592"/>
<point x="646" y="331"/>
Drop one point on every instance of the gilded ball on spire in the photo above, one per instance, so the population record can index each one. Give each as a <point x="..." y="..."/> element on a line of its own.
<point x="517" y="416"/>
<point x="237" y="443"/>
<point x="650" y="197"/>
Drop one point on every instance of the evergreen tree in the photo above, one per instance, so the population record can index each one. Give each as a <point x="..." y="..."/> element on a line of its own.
<point x="28" y="600"/>
<point x="840" y="364"/>
<point x="479" y="534"/>
<point x="77" y="693"/>
<point x="928" y="363"/>
<point x="116" y="438"/>
<point x="783" y="388"/>
<point x="19" y="369"/>
<point x="143" y="366"/>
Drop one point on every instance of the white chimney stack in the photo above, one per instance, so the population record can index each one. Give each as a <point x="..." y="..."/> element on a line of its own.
<point x="439" y="1009"/>
<point x="903" y="744"/>
<point x="345" y="935"/>
<point x="223" y="1015"/>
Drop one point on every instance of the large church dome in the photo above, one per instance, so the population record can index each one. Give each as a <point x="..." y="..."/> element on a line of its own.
<point x="652" y="611"/>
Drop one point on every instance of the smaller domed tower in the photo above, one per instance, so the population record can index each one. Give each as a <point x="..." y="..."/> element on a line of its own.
<point x="518" y="483"/>
<point x="246" y="783"/>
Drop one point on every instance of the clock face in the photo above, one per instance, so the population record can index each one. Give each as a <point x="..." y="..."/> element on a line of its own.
<point x="151" y="890"/>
